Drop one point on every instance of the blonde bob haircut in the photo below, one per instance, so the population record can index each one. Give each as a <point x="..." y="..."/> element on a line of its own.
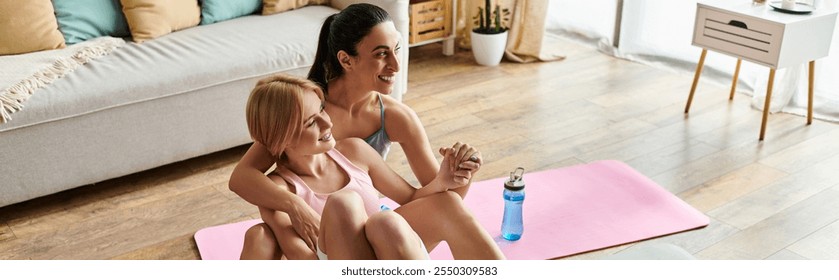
<point x="275" y="111"/>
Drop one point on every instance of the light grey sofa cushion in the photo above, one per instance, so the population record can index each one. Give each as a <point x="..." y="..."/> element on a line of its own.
<point x="178" y="62"/>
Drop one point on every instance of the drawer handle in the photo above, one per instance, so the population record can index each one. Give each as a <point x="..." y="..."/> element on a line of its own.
<point x="738" y="24"/>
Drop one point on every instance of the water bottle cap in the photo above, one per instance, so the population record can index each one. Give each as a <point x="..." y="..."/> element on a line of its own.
<point x="516" y="180"/>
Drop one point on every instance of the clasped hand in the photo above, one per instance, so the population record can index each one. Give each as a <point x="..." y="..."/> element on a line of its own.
<point x="460" y="162"/>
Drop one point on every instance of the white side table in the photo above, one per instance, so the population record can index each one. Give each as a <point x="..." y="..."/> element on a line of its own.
<point x="759" y="34"/>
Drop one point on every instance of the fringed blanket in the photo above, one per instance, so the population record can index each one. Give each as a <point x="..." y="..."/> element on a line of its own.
<point x="22" y="75"/>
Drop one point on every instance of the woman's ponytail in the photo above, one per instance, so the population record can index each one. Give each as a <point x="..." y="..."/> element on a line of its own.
<point x="319" y="73"/>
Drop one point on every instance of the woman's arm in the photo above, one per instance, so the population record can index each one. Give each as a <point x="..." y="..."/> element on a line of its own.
<point x="249" y="181"/>
<point x="388" y="182"/>
<point x="404" y="126"/>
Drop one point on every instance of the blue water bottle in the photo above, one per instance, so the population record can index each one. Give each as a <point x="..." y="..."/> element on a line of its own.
<point x="511" y="225"/>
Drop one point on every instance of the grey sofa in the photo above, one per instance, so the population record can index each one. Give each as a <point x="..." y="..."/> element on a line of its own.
<point x="165" y="100"/>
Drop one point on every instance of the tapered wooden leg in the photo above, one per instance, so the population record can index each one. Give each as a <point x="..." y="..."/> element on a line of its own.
<point x="766" y="104"/>
<point x="734" y="81"/>
<point x="810" y="92"/>
<point x="696" y="79"/>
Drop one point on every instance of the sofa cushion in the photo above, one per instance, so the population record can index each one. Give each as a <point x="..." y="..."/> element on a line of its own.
<point x="276" y="6"/>
<point x="28" y="26"/>
<point x="149" y="19"/>
<point x="184" y="61"/>
<point x="81" y="20"/>
<point x="213" y="11"/>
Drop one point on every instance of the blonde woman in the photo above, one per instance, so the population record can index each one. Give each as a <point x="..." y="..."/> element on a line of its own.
<point x="340" y="181"/>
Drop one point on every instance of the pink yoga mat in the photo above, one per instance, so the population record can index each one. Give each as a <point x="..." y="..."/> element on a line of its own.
<point x="567" y="211"/>
<point x="223" y="242"/>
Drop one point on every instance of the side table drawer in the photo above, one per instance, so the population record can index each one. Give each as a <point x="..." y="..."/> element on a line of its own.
<point x="739" y="35"/>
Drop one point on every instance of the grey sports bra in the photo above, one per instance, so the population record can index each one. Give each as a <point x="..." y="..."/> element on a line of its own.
<point x="379" y="140"/>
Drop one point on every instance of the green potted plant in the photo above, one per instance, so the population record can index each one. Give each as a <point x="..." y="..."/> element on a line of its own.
<point x="489" y="37"/>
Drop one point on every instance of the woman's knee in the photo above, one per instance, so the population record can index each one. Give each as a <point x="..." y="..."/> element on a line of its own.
<point x="344" y="201"/>
<point x="449" y="202"/>
<point x="387" y="230"/>
<point x="388" y="225"/>
<point x="260" y="243"/>
<point x="450" y="209"/>
<point x="260" y="233"/>
<point x="343" y="212"/>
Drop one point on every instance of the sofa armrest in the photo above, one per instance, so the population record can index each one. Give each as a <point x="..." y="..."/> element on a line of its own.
<point x="398" y="10"/>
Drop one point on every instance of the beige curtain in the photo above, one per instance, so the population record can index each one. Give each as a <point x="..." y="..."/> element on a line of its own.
<point x="527" y="28"/>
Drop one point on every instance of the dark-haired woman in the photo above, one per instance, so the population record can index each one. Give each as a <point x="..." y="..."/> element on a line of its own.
<point x="355" y="66"/>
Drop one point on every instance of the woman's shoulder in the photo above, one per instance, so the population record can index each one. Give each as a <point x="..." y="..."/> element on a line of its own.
<point x="356" y="150"/>
<point x="399" y="113"/>
<point x="349" y="144"/>
<point x="393" y="104"/>
<point x="355" y="147"/>
<point x="280" y="181"/>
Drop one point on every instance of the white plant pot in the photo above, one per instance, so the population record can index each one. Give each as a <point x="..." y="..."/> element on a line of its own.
<point x="488" y="49"/>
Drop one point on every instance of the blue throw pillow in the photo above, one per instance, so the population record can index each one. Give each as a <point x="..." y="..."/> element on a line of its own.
<point x="80" y="20"/>
<point x="213" y="11"/>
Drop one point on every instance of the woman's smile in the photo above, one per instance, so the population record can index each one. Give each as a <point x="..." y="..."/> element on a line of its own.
<point x="326" y="137"/>
<point x="387" y="78"/>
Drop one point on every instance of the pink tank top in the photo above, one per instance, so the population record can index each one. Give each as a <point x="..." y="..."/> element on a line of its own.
<point x="360" y="182"/>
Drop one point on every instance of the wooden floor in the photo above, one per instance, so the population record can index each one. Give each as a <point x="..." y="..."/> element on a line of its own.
<point x="767" y="200"/>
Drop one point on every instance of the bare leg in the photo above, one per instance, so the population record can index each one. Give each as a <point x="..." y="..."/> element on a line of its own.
<point x="342" y="235"/>
<point x="260" y="244"/>
<point x="443" y="216"/>
<point x="392" y="238"/>
<point x="292" y="245"/>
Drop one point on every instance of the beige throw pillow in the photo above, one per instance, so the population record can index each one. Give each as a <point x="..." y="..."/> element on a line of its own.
<point x="28" y="26"/>
<point x="276" y="6"/>
<point x="149" y="19"/>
